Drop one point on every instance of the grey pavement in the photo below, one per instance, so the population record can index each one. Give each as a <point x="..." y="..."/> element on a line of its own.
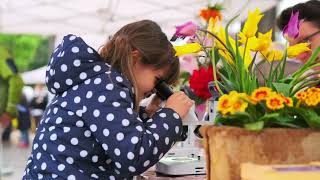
<point x="12" y="158"/>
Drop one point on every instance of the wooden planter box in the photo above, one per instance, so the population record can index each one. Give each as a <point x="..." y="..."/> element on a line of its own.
<point x="227" y="147"/>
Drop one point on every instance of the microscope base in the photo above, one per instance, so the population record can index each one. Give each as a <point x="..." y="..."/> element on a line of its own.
<point x="181" y="166"/>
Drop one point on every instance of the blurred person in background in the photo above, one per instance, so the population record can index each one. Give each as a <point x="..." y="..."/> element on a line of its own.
<point x="300" y="24"/>
<point x="11" y="85"/>
<point x="309" y="25"/>
<point x="24" y="122"/>
<point x="39" y="102"/>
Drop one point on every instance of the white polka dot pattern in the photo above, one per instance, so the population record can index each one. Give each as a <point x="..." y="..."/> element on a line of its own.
<point x="92" y="125"/>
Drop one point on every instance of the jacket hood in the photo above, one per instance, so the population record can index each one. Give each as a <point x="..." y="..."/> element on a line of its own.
<point x="71" y="63"/>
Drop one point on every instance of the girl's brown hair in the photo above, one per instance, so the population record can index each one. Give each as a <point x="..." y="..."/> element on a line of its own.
<point x="146" y="37"/>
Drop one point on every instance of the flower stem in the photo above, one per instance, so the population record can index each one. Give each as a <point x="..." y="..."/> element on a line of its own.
<point x="214" y="68"/>
<point x="217" y="38"/>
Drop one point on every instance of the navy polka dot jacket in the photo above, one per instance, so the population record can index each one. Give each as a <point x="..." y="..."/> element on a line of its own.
<point x="89" y="130"/>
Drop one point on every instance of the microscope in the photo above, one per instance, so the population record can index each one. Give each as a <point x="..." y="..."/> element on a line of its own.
<point x="185" y="157"/>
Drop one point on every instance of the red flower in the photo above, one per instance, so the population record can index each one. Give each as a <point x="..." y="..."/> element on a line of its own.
<point x="207" y="13"/>
<point x="199" y="82"/>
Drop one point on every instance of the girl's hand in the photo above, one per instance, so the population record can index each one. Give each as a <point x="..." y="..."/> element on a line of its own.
<point x="153" y="106"/>
<point x="180" y="103"/>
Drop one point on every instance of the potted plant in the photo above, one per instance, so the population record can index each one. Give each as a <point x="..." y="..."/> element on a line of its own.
<point x="273" y="122"/>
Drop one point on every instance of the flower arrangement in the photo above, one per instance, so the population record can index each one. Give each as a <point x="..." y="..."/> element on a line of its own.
<point x="280" y="100"/>
<point x="197" y="70"/>
<point x="267" y="108"/>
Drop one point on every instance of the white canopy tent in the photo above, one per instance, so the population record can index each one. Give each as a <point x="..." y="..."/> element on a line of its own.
<point x="36" y="76"/>
<point x="96" y="20"/>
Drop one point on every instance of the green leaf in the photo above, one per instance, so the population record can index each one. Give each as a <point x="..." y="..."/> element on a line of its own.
<point x="310" y="116"/>
<point x="237" y="119"/>
<point x="282" y="88"/>
<point x="184" y="76"/>
<point x="227" y="36"/>
<point x="255" y="126"/>
<point x="307" y="65"/>
<point x="229" y="85"/>
<point x="288" y="120"/>
<point x="217" y="7"/>
<point x="267" y="117"/>
<point x="288" y="124"/>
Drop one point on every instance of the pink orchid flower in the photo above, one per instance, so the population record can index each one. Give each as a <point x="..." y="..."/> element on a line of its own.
<point x="186" y="29"/>
<point x="291" y="30"/>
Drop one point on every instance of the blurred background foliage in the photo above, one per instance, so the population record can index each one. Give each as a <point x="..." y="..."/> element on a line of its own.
<point x="29" y="51"/>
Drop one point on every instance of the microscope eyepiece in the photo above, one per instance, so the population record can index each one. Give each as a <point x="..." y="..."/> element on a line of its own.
<point x="163" y="90"/>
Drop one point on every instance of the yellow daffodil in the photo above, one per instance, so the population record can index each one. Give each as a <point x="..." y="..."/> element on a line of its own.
<point x="262" y="43"/>
<point x="250" y="27"/>
<point x="274" y="102"/>
<point x="187" y="49"/>
<point x="261" y="93"/>
<point x="222" y="36"/>
<point x="213" y="25"/>
<point x="243" y="38"/>
<point x="272" y="55"/>
<point x="295" y="50"/>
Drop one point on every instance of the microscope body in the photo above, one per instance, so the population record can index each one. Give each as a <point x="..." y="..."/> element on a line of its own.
<point x="186" y="156"/>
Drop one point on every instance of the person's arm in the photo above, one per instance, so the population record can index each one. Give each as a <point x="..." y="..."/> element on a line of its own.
<point x="152" y="105"/>
<point x="132" y="145"/>
<point x="14" y="94"/>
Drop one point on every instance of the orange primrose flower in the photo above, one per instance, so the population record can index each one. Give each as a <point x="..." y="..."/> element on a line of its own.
<point x="312" y="100"/>
<point x="224" y="104"/>
<point x="261" y="93"/>
<point x="313" y="90"/>
<point x="288" y="101"/>
<point x="238" y="106"/>
<point x="301" y="95"/>
<point x="274" y="102"/>
<point x="312" y="96"/>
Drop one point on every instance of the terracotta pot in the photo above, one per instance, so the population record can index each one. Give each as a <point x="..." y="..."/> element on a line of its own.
<point x="227" y="147"/>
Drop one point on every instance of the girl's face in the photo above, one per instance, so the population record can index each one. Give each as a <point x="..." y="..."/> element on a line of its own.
<point x="309" y="33"/>
<point x="146" y="78"/>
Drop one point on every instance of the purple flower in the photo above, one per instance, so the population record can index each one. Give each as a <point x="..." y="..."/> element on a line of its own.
<point x="186" y="29"/>
<point x="291" y="30"/>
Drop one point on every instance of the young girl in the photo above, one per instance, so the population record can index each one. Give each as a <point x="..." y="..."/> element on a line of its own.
<point x="94" y="128"/>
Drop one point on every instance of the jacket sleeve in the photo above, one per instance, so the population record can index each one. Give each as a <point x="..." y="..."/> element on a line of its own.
<point x="132" y="145"/>
<point x="143" y="114"/>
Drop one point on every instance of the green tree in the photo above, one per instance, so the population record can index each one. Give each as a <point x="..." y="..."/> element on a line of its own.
<point x="29" y="51"/>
